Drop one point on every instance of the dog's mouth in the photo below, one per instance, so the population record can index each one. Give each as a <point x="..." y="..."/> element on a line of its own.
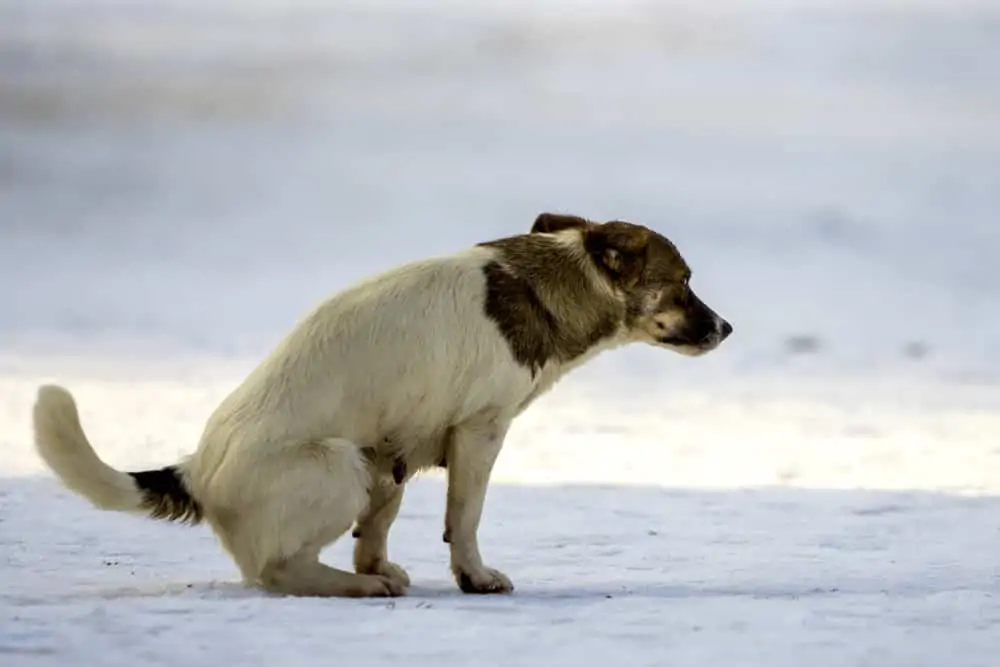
<point x="683" y="341"/>
<point x="695" y="343"/>
<point x="689" y="346"/>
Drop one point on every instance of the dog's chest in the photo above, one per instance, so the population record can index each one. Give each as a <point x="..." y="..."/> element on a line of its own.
<point x="416" y="435"/>
<point x="411" y="446"/>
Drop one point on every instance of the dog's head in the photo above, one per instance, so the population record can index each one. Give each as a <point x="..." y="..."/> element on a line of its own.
<point x="647" y="272"/>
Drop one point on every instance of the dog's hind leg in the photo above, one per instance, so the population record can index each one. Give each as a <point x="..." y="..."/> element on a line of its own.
<point x="372" y="532"/>
<point x="304" y="498"/>
<point x="303" y="575"/>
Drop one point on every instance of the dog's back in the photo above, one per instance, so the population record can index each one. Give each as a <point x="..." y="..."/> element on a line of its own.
<point x="407" y="350"/>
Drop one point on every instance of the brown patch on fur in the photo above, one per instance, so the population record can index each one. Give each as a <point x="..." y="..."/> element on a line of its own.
<point x="621" y="249"/>
<point x="544" y="301"/>
<point x="164" y="495"/>
<point x="544" y="291"/>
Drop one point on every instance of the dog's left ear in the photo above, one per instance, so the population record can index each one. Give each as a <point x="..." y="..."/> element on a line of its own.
<point x="549" y="223"/>
<point x="620" y="248"/>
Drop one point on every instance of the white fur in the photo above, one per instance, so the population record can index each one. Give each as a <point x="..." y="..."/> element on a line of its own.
<point x="63" y="445"/>
<point x="407" y="358"/>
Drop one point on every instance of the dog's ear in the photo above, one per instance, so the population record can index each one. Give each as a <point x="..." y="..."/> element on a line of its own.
<point x="547" y="223"/>
<point x="620" y="249"/>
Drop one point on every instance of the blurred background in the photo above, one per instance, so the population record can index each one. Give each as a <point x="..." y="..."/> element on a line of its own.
<point x="180" y="180"/>
<point x="188" y="176"/>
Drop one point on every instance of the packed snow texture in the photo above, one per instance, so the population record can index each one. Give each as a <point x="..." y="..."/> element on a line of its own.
<point x="180" y="181"/>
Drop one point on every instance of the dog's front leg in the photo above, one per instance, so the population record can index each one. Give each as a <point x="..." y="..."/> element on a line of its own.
<point x="471" y="453"/>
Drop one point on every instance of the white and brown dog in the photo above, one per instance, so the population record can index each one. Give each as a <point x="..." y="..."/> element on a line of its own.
<point x="423" y="366"/>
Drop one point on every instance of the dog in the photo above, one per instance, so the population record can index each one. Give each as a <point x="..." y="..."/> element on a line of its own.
<point x="423" y="366"/>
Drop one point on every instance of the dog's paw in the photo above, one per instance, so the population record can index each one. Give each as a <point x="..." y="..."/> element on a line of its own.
<point x="483" y="581"/>
<point x="385" y="569"/>
<point x="376" y="586"/>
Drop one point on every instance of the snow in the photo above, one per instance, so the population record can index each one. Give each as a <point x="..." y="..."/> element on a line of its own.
<point x="178" y="182"/>
<point x="709" y="531"/>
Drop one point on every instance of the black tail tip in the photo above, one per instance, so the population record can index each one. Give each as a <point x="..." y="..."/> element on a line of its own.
<point x="165" y="496"/>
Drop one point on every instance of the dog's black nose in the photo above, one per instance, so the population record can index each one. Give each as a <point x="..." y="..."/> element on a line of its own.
<point x="727" y="329"/>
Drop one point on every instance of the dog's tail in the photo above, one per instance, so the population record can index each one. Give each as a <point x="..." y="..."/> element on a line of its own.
<point x="62" y="444"/>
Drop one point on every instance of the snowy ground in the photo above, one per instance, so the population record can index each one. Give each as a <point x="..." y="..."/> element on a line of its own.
<point x="178" y="182"/>
<point x="733" y="529"/>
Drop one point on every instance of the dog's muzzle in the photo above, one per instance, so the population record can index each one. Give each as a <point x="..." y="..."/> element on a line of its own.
<point x="720" y="332"/>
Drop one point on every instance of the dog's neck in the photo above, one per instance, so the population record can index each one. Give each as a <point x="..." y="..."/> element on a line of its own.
<point x="550" y="301"/>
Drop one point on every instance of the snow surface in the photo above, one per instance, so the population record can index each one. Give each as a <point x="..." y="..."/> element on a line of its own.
<point x="685" y="531"/>
<point x="180" y="180"/>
